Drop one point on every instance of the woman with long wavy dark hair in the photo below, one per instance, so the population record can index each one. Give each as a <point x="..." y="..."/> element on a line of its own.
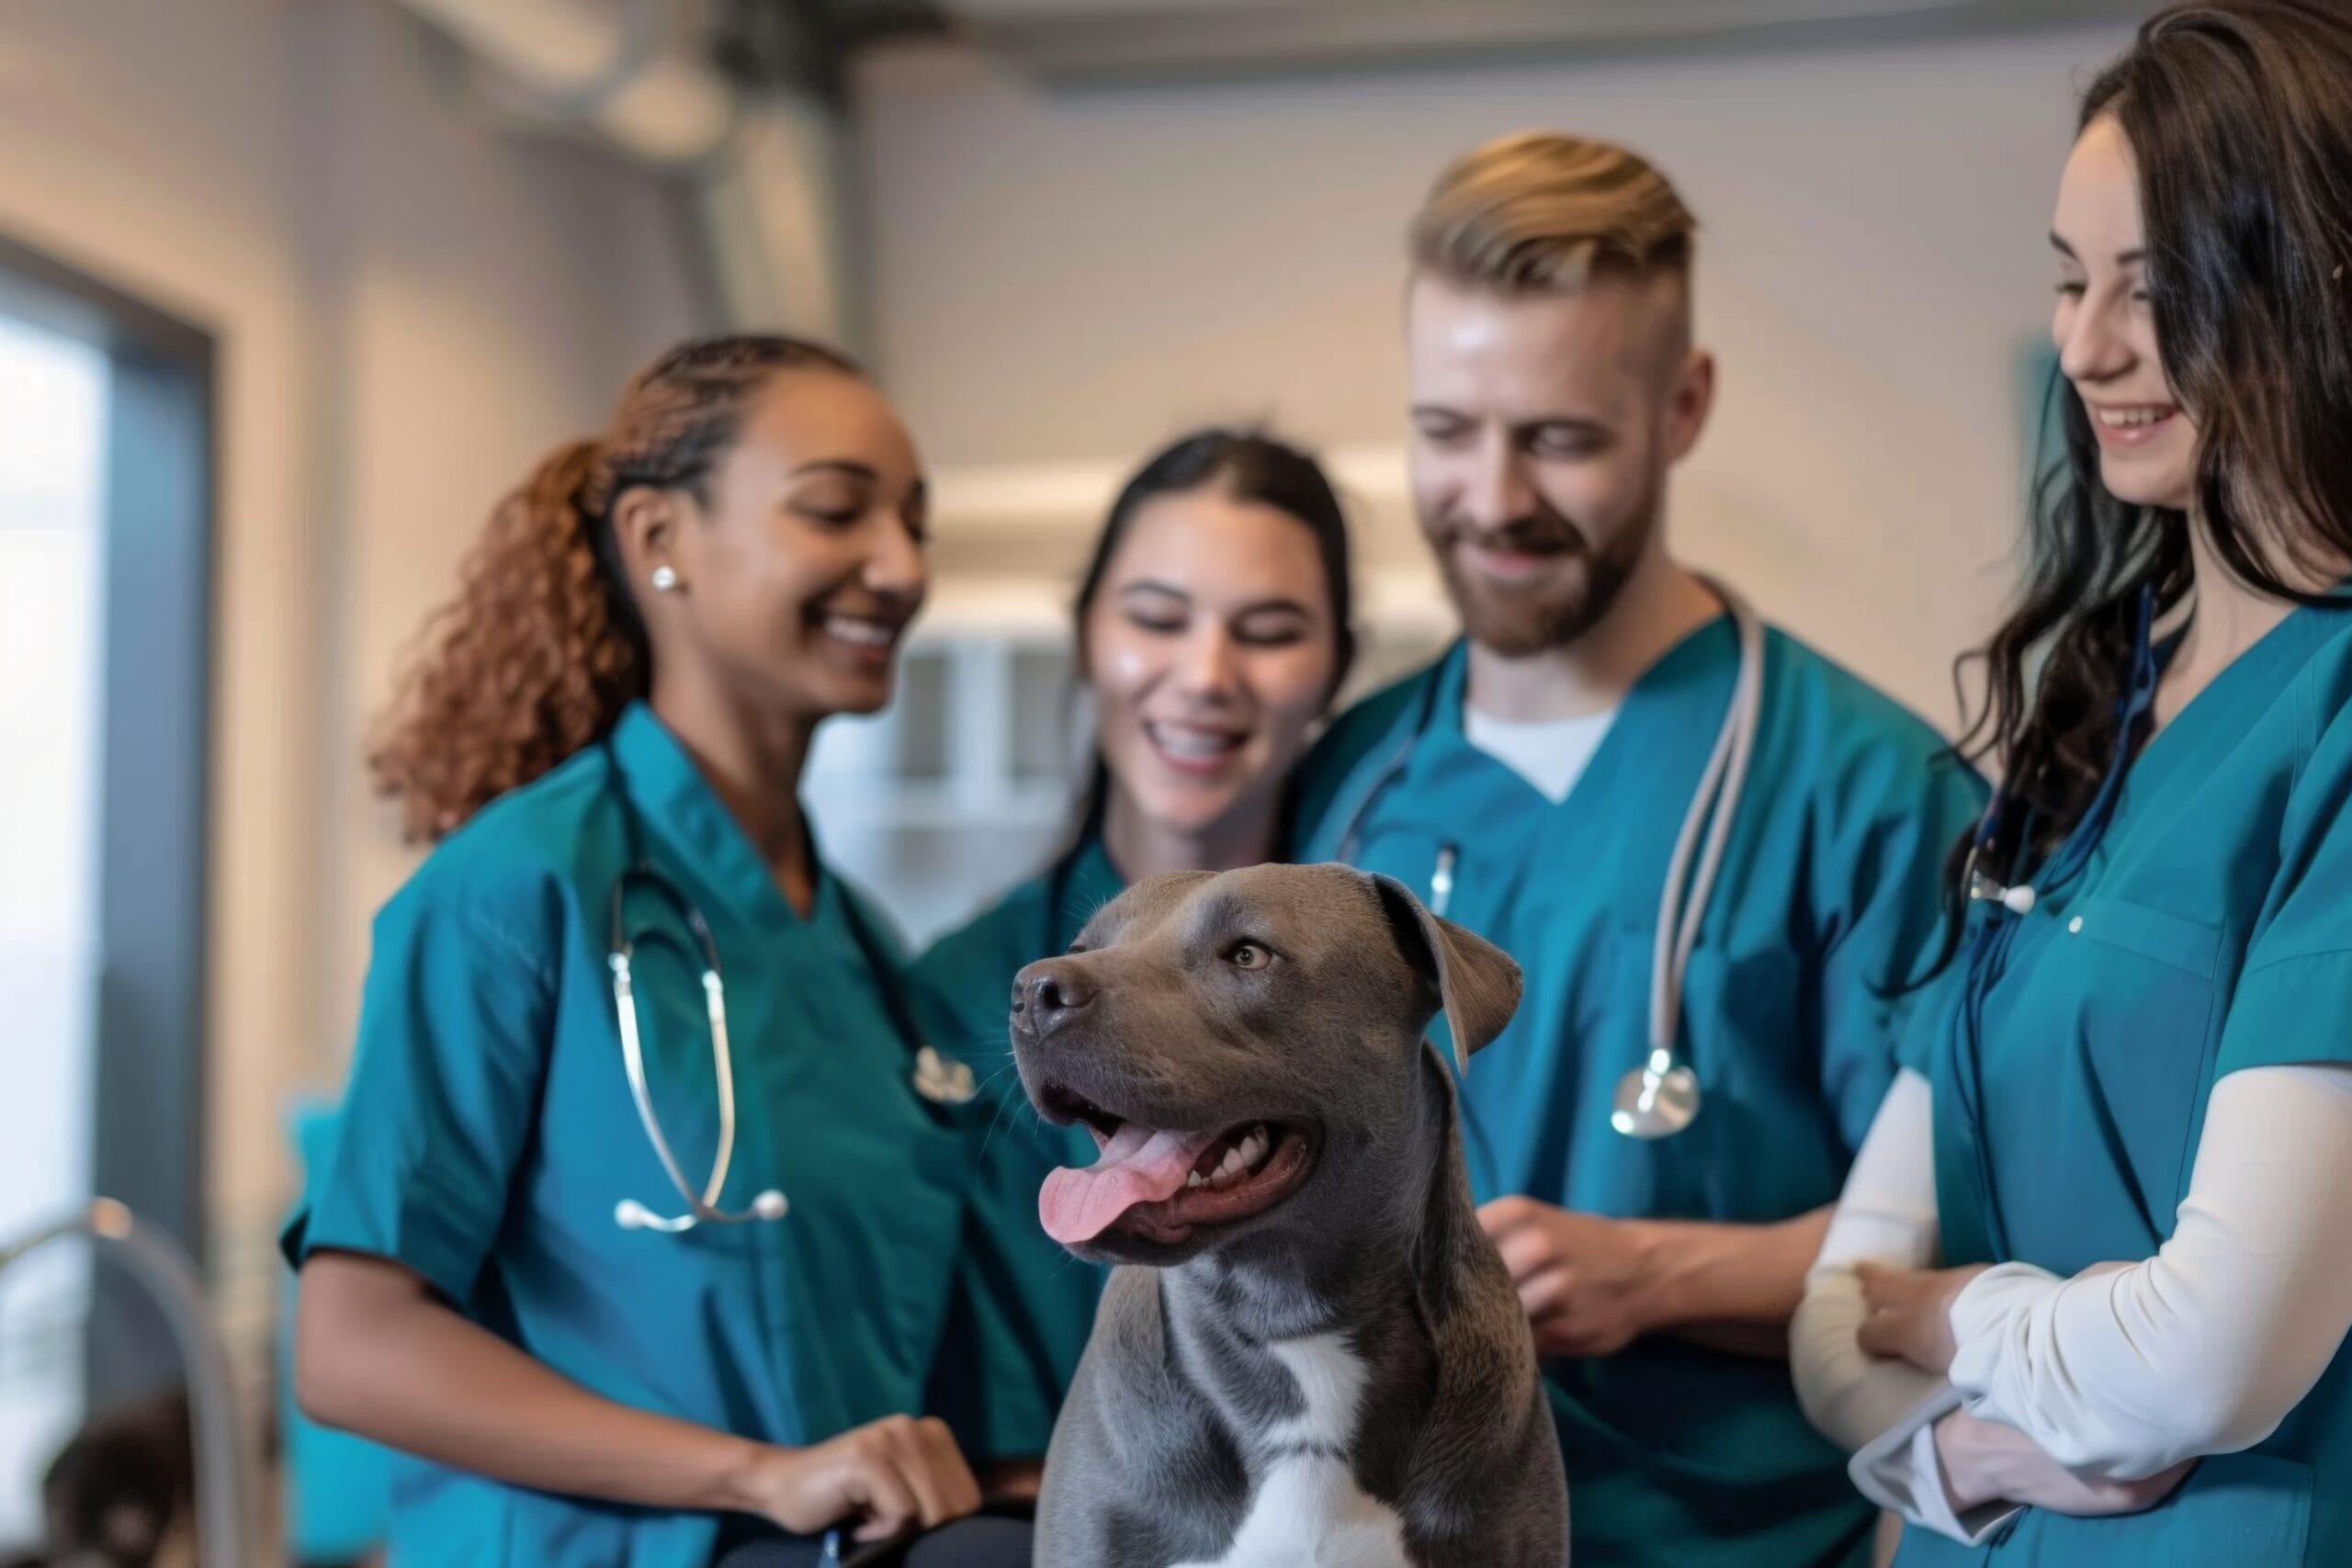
<point x="531" y="1263"/>
<point x="2125" y="1129"/>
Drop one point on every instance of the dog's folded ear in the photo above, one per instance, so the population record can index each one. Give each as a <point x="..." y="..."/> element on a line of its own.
<point x="1476" y="983"/>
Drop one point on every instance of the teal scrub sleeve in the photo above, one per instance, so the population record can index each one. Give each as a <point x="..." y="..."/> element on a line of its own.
<point x="1023" y="1307"/>
<point x="2293" y="1001"/>
<point x="455" y="1025"/>
<point x="1888" y="876"/>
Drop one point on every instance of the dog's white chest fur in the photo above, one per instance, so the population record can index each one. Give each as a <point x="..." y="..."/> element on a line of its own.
<point x="1305" y="1509"/>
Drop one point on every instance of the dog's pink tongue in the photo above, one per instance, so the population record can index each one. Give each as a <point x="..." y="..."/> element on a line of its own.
<point x="1138" y="1166"/>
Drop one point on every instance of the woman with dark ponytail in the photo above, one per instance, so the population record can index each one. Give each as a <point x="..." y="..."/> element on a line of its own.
<point x="2124" y="1129"/>
<point x="1213" y="630"/>
<point x="597" y="1349"/>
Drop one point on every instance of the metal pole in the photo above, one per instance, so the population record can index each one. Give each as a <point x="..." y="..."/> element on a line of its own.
<point x="222" y="1497"/>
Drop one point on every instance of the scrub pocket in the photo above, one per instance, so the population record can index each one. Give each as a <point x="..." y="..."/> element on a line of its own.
<point x="1766" y="1145"/>
<point x="2149" y="1030"/>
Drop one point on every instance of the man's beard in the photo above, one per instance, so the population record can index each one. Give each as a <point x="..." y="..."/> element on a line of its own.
<point x="1519" y="620"/>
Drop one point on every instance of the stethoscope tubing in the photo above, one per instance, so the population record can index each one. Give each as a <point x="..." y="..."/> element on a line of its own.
<point x="703" y="1208"/>
<point x="1714" y="805"/>
<point x="2007" y="906"/>
<point x="934" y="1078"/>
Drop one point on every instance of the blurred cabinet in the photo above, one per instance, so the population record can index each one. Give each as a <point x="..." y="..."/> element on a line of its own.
<point x="969" y="782"/>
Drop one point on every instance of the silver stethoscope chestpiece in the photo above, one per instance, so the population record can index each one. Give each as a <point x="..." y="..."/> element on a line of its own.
<point x="935" y="1077"/>
<point x="1982" y="889"/>
<point x="1656" y="1100"/>
<point x="1660" y="1098"/>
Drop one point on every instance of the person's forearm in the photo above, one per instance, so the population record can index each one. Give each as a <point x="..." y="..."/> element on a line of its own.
<point x="2130" y="1368"/>
<point x="1986" y="1462"/>
<point x="1849" y="1396"/>
<point x="1730" y="1287"/>
<point x="400" y="1369"/>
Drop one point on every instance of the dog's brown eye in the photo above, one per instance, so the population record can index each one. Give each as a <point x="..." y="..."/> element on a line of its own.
<point x="1248" y="955"/>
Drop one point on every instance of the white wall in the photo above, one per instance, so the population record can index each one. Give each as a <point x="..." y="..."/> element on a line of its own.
<point x="1069" y="276"/>
<point x="489" y="296"/>
<point x="410" y="303"/>
<point x="152" y="144"/>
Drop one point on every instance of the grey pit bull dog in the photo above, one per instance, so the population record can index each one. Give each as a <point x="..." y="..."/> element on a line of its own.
<point x="1313" y="1356"/>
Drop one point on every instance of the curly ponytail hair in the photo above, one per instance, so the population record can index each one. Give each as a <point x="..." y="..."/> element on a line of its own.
<point x="542" y="647"/>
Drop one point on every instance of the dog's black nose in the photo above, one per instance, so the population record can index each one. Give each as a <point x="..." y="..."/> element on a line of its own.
<point x="1047" y="995"/>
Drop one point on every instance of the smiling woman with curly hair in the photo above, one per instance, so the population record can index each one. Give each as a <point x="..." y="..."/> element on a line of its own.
<point x="545" y="646"/>
<point x="514" y="1267"/>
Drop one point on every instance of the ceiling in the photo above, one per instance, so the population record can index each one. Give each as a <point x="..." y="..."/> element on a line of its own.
<point x="1079" y="40"/>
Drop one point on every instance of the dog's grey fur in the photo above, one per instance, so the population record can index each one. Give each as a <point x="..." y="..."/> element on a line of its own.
<point x="1198" y="1393"/>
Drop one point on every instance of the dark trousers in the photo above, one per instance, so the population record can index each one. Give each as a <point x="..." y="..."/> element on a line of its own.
<point x="980" y="1543"/>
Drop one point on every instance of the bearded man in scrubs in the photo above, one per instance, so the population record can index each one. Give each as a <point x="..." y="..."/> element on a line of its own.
<point x="1532" y="784"/>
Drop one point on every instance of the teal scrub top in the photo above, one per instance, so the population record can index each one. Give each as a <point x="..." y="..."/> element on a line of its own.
<point x="1029" y="1295"/>
<point x="488" y="1134"/>
<point x="1676" y="1454"/>
<point x="2210" y="930"/>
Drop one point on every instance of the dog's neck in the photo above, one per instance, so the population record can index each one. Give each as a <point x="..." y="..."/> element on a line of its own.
<point x="1340" y="1341"/>
<point x="1299" y="1282"/>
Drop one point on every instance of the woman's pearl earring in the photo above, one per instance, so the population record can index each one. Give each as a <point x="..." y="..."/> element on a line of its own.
<point x="665" y="580"/>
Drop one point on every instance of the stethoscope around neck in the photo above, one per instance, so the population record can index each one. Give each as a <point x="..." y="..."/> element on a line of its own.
<point x="2020" y="897"/>
<point x="935" y="1079"/>
<point x="1991" y="941"/>
<point x="702" y="1208"/>
<point x="1661" y="1097"/>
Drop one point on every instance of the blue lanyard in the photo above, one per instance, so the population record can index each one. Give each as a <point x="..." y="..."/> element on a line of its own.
<point x="1990" y="946"/>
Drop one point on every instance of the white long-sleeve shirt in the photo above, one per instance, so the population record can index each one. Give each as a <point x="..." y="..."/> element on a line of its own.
<point x="2203" y="1348"/>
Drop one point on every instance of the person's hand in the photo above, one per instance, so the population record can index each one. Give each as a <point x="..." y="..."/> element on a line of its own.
<point x="1984" y="1461"/>
<point x="1582" y="1279"/>
<point x="1910" y="1313"/>
<point x="895" y="1474"/>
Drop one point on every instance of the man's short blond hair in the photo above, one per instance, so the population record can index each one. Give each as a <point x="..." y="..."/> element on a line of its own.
<point x="1543" y="213"/>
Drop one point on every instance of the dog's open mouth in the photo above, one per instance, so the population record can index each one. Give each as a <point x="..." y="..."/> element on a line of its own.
<point x="1162" y="1186"/>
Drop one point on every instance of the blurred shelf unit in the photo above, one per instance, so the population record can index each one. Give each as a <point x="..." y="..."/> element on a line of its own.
<point x="969" y="782"/>
<point x="986" y="729"/>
